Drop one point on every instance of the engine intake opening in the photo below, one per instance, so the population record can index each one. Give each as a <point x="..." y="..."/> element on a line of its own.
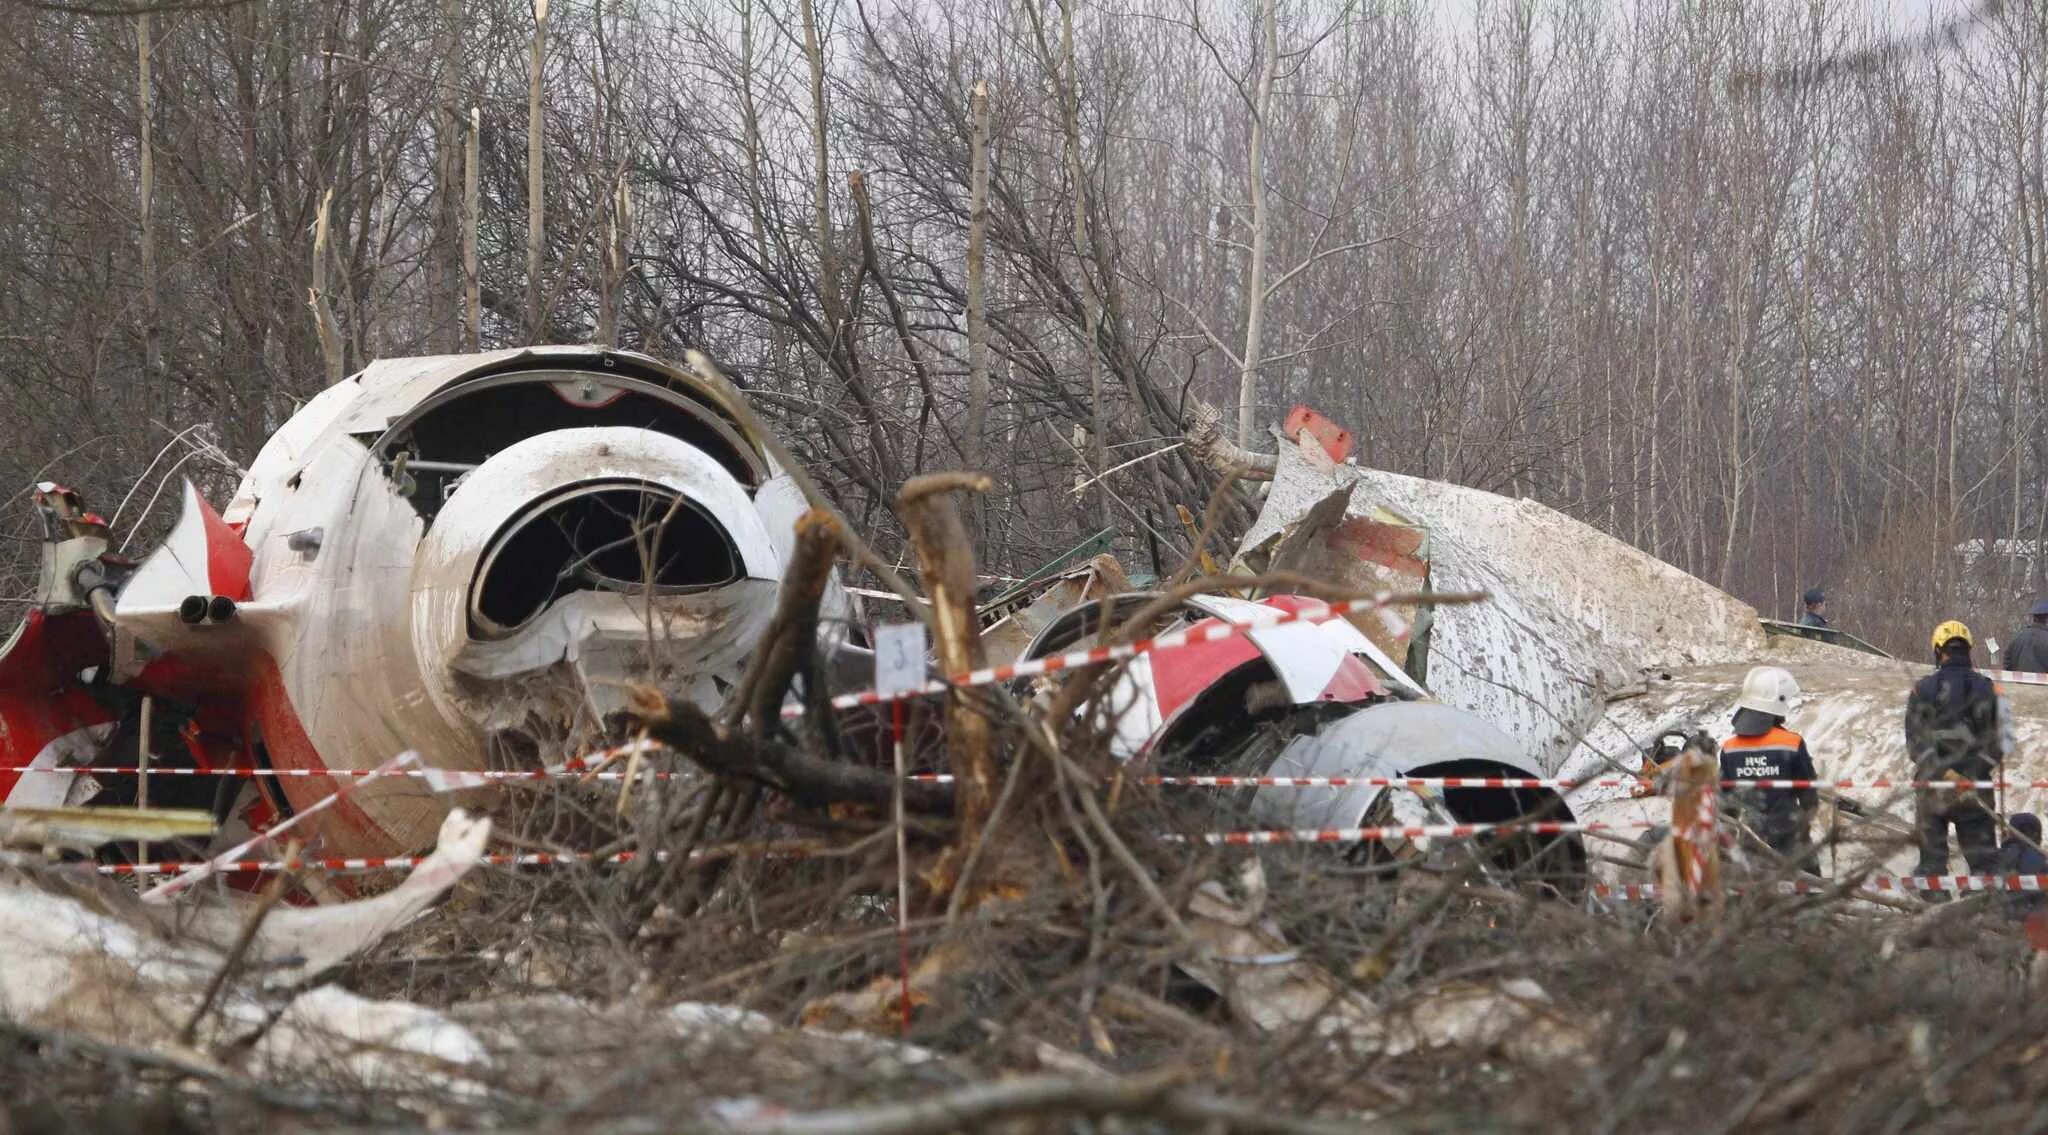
<point x="609" y="536"/>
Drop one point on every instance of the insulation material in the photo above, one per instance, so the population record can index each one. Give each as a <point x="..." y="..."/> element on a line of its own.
<point x="126" y="975"/>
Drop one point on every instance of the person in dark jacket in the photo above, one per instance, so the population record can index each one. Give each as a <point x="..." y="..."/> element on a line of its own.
<point x="1816" y="609"/>
<point x="2029" y="649"/>
<point x="2021" y="854"/>
<point x="1763" y="749"/>
<point x="1957" y="728"/>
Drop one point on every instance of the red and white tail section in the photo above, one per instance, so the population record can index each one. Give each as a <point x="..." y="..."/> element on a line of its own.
<point x="192" y="583"/>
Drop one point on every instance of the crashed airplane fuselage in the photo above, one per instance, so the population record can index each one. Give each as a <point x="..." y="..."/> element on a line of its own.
<point x="1587" y="649"/>
<point x="413" y="545"/>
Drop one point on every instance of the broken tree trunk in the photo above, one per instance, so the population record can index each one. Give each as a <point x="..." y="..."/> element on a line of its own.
<point x="323" y="312"/>
<point x="946" y="559"/>
<point x="789" y="646"/>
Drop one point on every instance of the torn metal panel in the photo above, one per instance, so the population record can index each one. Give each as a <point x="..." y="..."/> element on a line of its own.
<point x="1011" y="635"/>
<point x="1312" y="663"/>
<point x="1572" y="613"/>
<point x="1381" y="550"/>
<point x="1397" y="739"/>
<point x="1025" y="590"/>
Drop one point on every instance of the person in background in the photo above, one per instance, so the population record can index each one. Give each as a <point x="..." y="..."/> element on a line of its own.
<point x="1816" y="615"/>
<point x="1763" y="749"/>
<point x="1957" y="728"/>
<point x="2020" y="854"/>
<point x="2029" y="649"/>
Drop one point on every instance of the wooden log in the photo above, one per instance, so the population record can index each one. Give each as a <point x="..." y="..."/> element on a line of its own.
<point x="945" y="557"/>
<point x="789" y="646"/>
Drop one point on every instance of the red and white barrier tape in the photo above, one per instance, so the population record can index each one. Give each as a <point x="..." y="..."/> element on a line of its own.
<point x="1414" y="831"/>
<point x="2022" y="677"/>
<point x="449" y="778"/>
<point x="163" y="891"/>
<point x="337" y="865"/>
<point x="583" y="768"/>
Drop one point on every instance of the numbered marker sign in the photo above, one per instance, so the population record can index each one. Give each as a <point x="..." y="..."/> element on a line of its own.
<point x="899" y="657"/>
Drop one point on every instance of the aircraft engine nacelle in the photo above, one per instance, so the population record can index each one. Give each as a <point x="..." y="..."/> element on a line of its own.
<point x="580" y="545"/>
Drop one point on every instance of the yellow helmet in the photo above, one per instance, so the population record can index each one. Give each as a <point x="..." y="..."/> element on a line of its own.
<point x="1951" y="630"/>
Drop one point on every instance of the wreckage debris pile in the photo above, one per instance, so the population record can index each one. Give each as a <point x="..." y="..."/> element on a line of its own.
<point x="1057" y="958"/>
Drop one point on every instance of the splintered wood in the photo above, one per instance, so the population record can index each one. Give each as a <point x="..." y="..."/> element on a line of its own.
<point x="946" y="556"/>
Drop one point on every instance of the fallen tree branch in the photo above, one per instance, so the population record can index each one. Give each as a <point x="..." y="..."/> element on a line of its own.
<point x="802" y="776"/>
<point x="183" y="1065"/>
<point x="240" y="949"/>
<point x="973" y="1107"/>
<point x="789" y="645"/>
<point x="1206" y="441"/>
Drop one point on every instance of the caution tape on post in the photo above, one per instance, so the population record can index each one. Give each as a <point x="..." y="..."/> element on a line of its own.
<point x="1208" y="631"/>
<point x="165" y="890"/>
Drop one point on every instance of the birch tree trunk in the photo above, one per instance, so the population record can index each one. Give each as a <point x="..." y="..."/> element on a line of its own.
<point x="1255" y="276"/>
<point x="472" y="285"/>
<point x="444" y="272"/>
<point x="535" y="203"/>
<point x="1091" y="296"/>
<point x="977" y="283"/>
<point x="152" y="330"/>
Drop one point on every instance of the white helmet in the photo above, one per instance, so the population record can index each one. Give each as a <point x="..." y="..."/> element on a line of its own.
<point x="1768" y="689"/>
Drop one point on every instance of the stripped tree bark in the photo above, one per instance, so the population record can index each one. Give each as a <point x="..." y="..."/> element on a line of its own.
<point x="323" y="312"/>
<point x="821" y="199"/>
<point x="946" y="558"/>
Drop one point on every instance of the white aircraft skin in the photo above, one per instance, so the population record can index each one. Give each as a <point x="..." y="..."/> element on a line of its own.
<point x="433" y="530"/>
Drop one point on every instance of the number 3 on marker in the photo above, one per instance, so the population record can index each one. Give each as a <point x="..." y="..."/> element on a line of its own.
<point x="899" y="657"/>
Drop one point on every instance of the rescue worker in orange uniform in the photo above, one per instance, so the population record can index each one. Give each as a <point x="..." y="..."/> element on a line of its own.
<point x="1763" y="749"/>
